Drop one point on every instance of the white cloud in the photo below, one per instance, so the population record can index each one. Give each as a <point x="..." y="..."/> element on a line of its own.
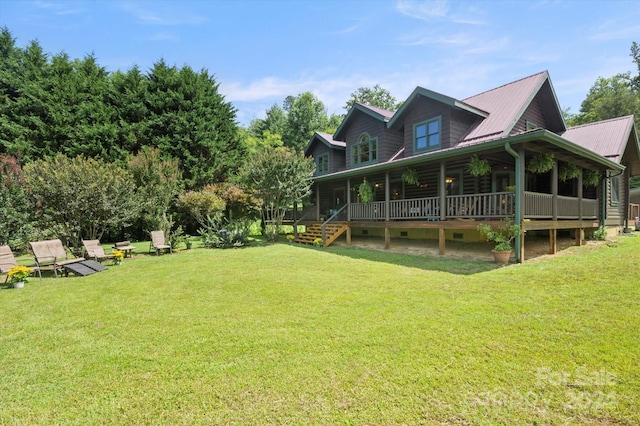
<point x="347" y="30"/>
<point x="167" y="16"/>
<point x="60" y="8"/>
<point x="424" y="10"/>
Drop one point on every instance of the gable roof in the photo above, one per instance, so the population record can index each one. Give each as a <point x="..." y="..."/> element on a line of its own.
<point x="326" y="139"/>
<point x="507" y="103"/>
<point x="438" y="97"/>
<point x="608" y="138"/>
<point x="377" y="113"/>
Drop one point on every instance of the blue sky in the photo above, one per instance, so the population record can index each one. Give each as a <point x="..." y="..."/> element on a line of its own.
<point x="262" y="51"/>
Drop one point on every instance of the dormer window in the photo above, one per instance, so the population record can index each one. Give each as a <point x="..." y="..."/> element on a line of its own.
<point x="322" y="164"/>
<point x="365" y="150"/>
<point x="426" y="135"/>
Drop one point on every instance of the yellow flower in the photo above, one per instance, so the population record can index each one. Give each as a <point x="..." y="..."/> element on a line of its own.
<point x="118" y="255"/>
<point x="19" y="273"/>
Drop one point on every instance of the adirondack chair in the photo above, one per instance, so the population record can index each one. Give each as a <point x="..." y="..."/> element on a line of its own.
<point x="51" y="255"/>
<point x="158" y="243"/>
<point x="94" y="250"/>
<point x="7" y="261"/>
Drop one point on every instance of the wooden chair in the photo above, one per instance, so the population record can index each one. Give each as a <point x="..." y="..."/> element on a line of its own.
<point x="51" y="255"/>
<point x="158" y="242"/>
<point x="7" y="261"/>
<point x="94" y="250"/>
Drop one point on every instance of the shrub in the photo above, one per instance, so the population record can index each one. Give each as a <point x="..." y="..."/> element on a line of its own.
<point x="220" y="233"/>
<point x="599" y="234"/>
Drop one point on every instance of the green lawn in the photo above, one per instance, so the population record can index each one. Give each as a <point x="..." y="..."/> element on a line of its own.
<point x="285" y="334"/>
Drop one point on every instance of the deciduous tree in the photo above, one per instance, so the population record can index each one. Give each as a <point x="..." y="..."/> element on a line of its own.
<point x="84" y="196"/>
<point x="374" y="96"/>
<point x="158" y="182"/>
<point x="278" y="178"/>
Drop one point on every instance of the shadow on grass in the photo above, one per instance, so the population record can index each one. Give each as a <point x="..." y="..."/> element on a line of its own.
<point x="427" y="263"/>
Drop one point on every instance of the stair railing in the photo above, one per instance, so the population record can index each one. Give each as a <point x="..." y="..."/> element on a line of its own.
<point x="295" y="225"/>
<point x="324" y="229"/>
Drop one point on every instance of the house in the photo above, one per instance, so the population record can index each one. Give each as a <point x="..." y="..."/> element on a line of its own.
<point x="438" y="166"/>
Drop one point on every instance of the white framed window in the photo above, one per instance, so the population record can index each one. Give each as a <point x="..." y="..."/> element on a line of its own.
<point x="426" y="135"/>
<point x="365" y="151"/>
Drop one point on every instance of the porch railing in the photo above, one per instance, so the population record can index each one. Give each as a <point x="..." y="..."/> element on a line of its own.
<point x="540" y="206"/>
<point x="480" y="206"/>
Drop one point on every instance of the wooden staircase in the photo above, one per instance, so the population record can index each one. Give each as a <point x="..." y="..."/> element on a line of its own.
<point x="313" y="231"/>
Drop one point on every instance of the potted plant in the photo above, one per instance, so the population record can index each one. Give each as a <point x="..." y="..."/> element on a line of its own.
<point x="317" y="242"/>
<point x="410" y="176"/>
<point x="365" y="190"/>
<point x="568" y="171"/>
<point x="591" y="178"/>
<point x="502" y="236"/>
<point x="118" y="256"/>
<point x="478" y="167"/>
<point x="541" y="163"/>
<point x="290" y="238"/>
<point x="19" y="275"/>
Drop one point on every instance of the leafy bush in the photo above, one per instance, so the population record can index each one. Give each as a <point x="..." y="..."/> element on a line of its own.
<point x="599" y="234"/>
<point x="82" y="196"/>
<point x="220" y="233"/>
<point x="15" y="211"/>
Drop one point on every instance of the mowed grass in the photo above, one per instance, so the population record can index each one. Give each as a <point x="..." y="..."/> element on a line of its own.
<point x="284" y="334"/>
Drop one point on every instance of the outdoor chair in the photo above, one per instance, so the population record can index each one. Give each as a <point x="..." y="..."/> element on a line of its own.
<point x="7" y="261"/>
<point x="94" y="250"/>
<point x="51" y="255"/>
<point x="158" y="243"/>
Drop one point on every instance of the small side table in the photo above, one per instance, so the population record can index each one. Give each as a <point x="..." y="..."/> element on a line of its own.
<point x="125" y="246"/>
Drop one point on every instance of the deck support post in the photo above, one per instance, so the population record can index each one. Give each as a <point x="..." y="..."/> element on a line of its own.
<point x="348" y="235"/>
<point x="387" y="238"/>
<point x="579" y="236"/>
<point x="441" y="240"/>
<point x="553" y="241"/>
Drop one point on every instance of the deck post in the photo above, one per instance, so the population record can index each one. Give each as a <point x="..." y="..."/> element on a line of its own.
<point x="387" y="196"/>
<point x="317" y="201"/>
<point x="579" y="236"/>
<point x="348" y="235"/>
<point x="443" y="192"/>
<point x="349" y="204"/>
<point x="387" y="237"/>
<point x="441" y="240"/>
<point x="553" y="241"/>
<point x="554" y="191"/>
<point x="580" y="194"/>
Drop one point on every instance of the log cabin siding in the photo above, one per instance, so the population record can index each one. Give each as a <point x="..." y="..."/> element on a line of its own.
<point x="533" y="114"/>
<point x="616" y="212"/>
<point x="461" y="123"/>
<point x="337" y="160"/>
